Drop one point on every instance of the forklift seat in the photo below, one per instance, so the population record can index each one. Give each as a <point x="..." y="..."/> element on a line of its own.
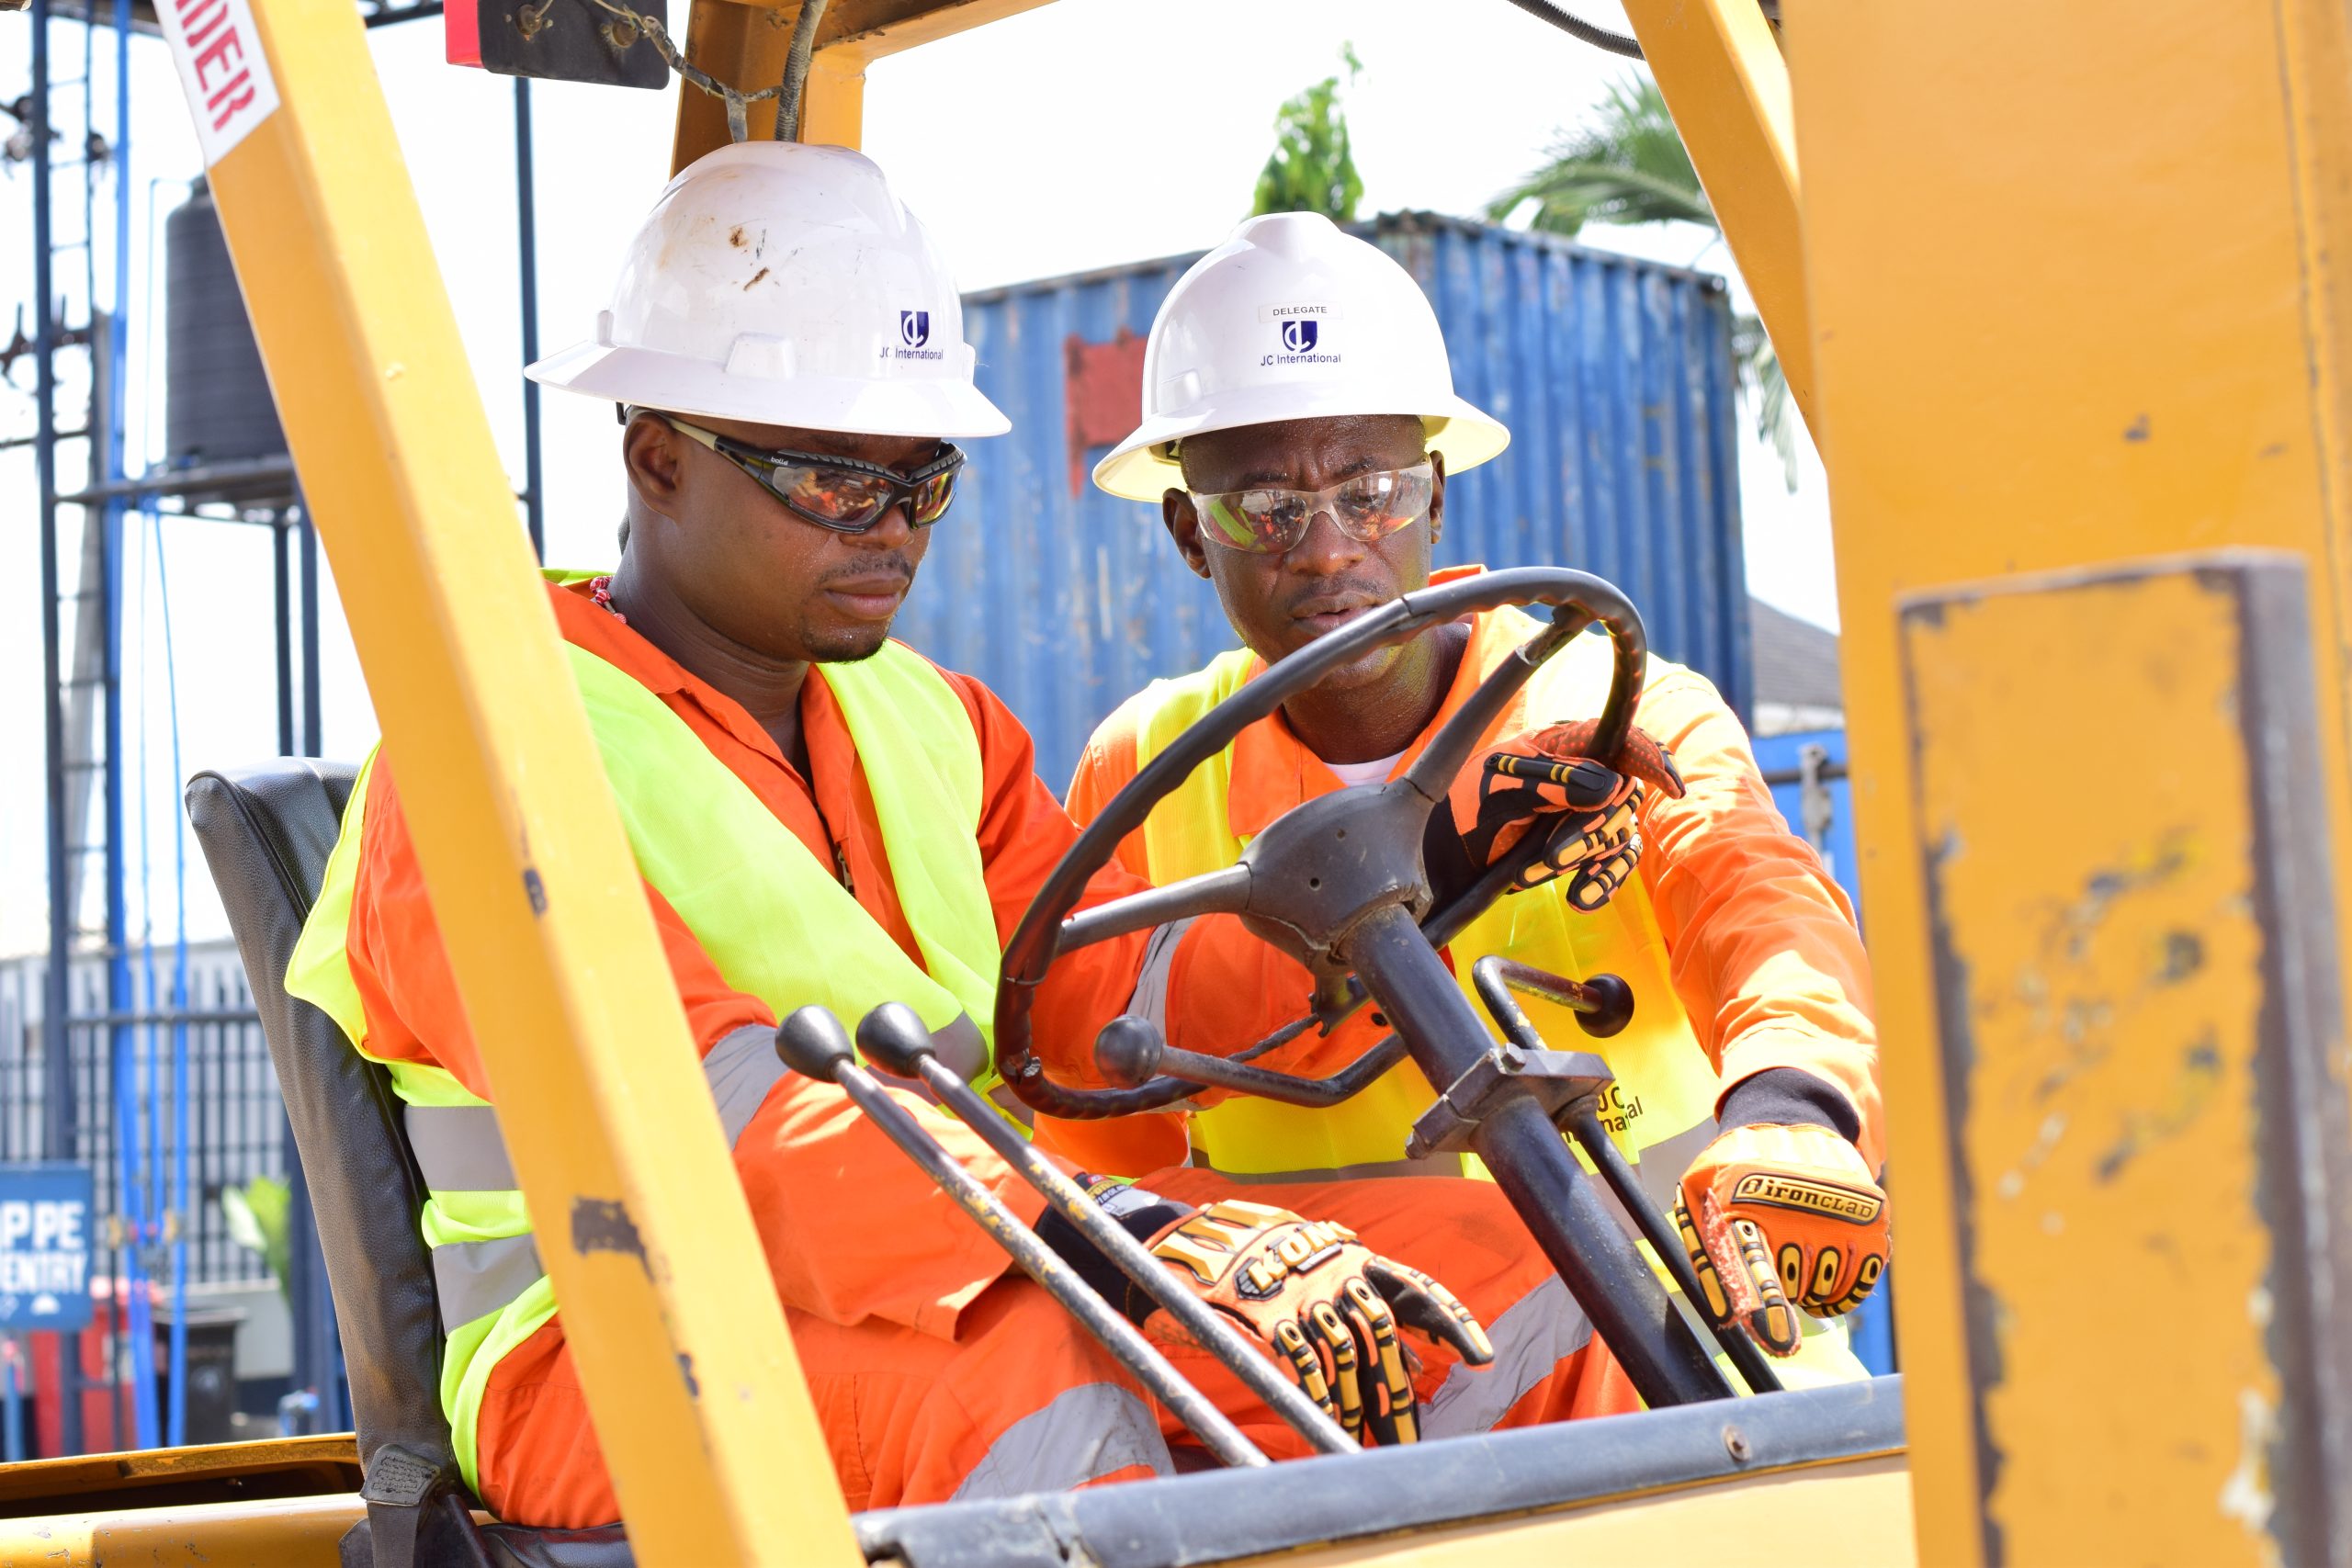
<point x="266" y="833"/>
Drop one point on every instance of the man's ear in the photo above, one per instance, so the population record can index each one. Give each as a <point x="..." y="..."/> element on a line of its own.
<point x="1437" y="498"/>
<point x="1184" y="527"/>
<point x="650" y="452"/>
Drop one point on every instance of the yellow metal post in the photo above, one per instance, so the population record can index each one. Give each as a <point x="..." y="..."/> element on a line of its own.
<point x="2078" y="294"/>
<point x="1720" y="71"/>
<point x="744" y="45"/>
<point x="675" y="1328"/>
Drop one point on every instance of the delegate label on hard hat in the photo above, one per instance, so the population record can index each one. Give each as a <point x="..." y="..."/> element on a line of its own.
<point x="222" y="68"/>
<point x="45" y="1246"/>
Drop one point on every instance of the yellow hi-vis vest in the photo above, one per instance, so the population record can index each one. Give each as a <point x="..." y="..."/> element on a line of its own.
<point x="1662" y="1102"/>
<point x="769" y="914"/>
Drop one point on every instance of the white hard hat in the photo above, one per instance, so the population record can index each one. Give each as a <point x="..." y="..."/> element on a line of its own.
<point x="1292" y="319"/>
<point x="784" y="283"/>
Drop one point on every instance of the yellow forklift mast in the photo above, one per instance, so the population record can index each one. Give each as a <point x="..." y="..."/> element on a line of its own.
<point x="2063" y="296"/>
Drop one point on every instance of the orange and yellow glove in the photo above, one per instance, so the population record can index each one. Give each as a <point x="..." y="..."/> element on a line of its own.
<point x="1544" y="781"/>
<point x="1324" y="1303"/>
<point x="1779" y="1219"/>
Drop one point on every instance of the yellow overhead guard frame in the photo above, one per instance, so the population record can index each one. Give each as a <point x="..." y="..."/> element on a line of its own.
<point x="2063" y="296"/>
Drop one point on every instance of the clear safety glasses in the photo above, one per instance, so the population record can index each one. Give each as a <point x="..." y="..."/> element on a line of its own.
<point x="1367" y="509"/>
<point x="840" y="493"/>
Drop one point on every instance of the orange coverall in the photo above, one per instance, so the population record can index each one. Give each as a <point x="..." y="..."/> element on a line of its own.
<point x="933" y="1374"/>
<point x="1763" y="949"/>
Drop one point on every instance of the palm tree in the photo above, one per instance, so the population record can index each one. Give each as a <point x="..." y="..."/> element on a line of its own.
<point x="1627" y="165"/>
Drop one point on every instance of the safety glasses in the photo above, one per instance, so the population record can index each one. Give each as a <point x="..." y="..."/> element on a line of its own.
<point x="840" y="493"/>
<point x="1367" y="509"/>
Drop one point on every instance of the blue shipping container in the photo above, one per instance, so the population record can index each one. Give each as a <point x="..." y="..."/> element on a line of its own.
<point x="1615" y="375"/>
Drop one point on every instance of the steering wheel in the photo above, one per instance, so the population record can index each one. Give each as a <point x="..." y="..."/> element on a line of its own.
<point x="1338" y="883"/>
<point x="1311" y="880"/>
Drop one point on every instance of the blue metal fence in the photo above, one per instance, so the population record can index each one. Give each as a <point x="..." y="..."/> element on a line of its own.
<point x="1807" y="773"/>
<point x="1615" y="375"/>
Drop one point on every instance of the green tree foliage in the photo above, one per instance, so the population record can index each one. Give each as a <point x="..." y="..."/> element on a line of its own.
<point x="1627" y="165"/>
<point x="1312" y="168"/>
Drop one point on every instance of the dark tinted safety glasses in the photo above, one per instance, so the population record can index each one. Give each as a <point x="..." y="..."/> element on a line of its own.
<point x="840" y="493"/>
<point x="1367" y="508"/>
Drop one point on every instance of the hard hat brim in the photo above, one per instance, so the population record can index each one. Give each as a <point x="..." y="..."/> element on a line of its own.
<point x="1139" y="467"/>
<point x="678" y="384"/>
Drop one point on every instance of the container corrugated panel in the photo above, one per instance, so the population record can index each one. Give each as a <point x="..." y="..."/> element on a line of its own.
<point x="1614" y="376"/>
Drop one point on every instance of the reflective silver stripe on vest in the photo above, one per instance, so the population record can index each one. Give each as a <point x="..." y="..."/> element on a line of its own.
<point x="475" y="1278"/>
<point x="741" y="1068"/>
<point x="1434" y="1165"/>
<point x="1086" y="1431"/>
<point x="1531" y="1338"/>
<point x="960" y="1044"/>
<point x="458" y="1149"/>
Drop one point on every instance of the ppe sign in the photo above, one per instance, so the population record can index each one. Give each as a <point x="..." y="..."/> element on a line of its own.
<point x="45" y="1246"/>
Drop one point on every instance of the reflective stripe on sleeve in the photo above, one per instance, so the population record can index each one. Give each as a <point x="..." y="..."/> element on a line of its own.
<point x="1088" y="1432"/>
<point x="741" y="1068"/>
<point x="474" y="1278"/>
<point x="1150" y="999"/>
<point x="1533" y="1336"/>
<point x="458" y="1149"/>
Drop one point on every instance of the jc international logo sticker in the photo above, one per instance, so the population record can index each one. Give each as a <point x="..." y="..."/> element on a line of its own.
<point x="914" y="328"/>
<point x="1300" y="334"/>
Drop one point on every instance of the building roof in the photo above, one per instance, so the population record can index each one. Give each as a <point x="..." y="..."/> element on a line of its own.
<point x="1795" y="661"/>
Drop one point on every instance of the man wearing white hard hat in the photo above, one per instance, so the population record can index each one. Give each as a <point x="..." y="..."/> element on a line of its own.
<point x="819" y="815"/>
<point x="1299" y="425"/>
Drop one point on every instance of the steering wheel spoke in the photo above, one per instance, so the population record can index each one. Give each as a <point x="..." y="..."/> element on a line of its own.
<point x="1448" y="752"/>
<point x="1222" y="892"/>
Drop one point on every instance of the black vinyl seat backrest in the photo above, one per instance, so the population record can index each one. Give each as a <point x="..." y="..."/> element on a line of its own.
<point x="266" y="833"/>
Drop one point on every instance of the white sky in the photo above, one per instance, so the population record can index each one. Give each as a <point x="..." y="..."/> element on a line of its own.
<point x="1084" y="134"/>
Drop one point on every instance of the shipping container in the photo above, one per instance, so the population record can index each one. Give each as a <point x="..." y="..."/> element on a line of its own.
<point x="1613" y="374"/>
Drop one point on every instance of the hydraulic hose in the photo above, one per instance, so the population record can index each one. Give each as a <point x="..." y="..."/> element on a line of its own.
<point x="796" y="69"/>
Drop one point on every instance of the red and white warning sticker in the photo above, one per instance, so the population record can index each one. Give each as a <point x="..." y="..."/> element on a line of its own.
<point x="222" y="68"/>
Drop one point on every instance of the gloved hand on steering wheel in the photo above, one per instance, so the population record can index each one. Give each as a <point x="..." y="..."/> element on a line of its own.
<point x="1545" y="781"/>
<point x="1777" y="1219"/>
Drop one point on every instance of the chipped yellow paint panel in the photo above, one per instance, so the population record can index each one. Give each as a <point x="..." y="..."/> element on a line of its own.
<point x="2085" y="819"/>
<point x="1856" y="1514"/>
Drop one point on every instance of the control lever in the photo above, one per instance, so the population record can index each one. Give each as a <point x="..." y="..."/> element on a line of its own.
<point x="1496" y="978"/>
<point x="813" y="1043"/>
<point x="1131" y="1050"/>
<point x="894" y="1039"/>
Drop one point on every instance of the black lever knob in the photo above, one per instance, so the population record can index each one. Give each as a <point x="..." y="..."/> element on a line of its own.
<point x="894" y="1039"/>
<point x="1612" y="1007"/>
<point x="1128" y="1050"/>
<point x="813" y="1043"/>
